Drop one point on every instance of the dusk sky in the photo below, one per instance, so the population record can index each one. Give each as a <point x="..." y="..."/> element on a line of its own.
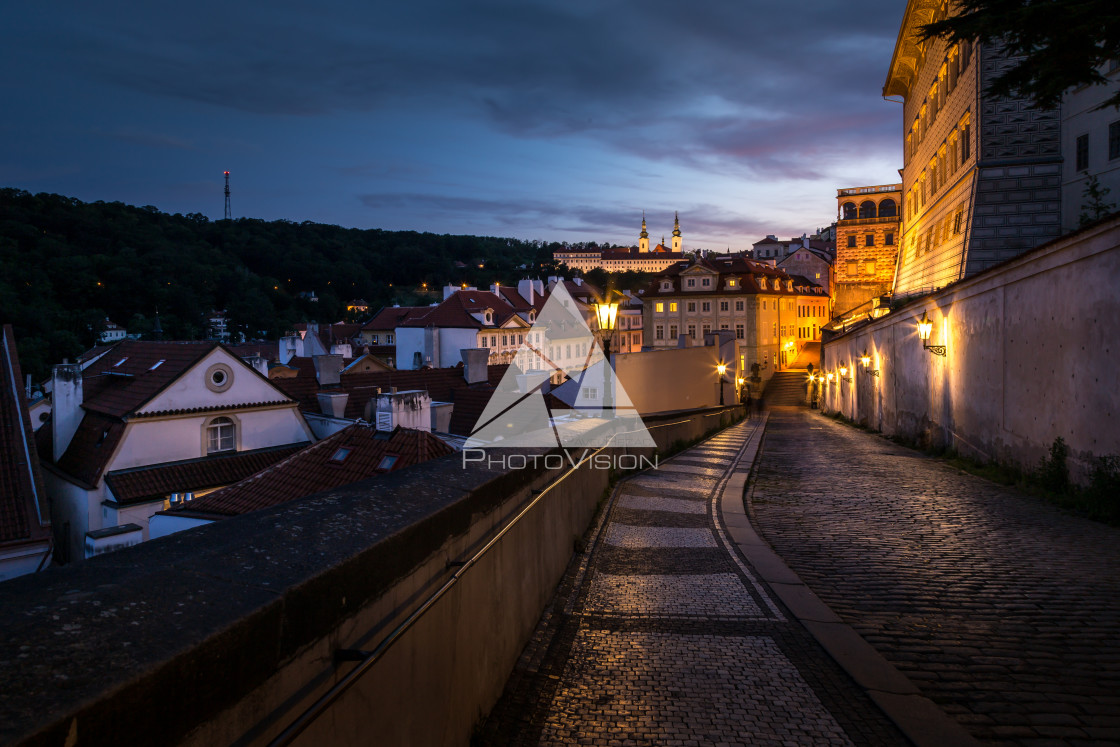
<point x="550" y="120"/>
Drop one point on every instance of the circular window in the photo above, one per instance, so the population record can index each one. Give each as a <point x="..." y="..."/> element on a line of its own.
<point x="219" y="377"/>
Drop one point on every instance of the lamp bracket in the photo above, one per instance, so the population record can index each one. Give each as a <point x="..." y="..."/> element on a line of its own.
<point x="936" y="350"/>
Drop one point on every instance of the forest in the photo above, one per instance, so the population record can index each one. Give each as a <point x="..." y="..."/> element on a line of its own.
<point x="66" y="266"/>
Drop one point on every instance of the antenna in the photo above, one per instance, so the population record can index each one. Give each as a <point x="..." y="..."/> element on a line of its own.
<point x="229" y="215"/>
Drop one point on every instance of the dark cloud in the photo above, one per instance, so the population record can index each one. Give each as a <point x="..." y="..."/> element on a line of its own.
<point x="757" y="83"/>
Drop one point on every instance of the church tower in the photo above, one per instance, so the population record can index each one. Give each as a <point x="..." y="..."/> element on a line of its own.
<point x="643" y="237"/>
<point x="676" y="232"/>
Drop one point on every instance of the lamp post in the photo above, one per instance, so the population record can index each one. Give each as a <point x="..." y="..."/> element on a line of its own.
<point x="739" y="382"/>
<point x="925" y="328"/>
<point x="721" y="369"/>
<point x="606" y="313"/>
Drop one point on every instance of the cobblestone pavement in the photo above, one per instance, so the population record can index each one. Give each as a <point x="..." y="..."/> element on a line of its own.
<point x="662" y="635"/>
<point x="1003" y="609"/>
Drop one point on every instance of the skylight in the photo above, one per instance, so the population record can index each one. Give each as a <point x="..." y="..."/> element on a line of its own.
<point x="340" y="455"/>
<point x="122" y="360"/>
<point x="157" y="364"/>
<point x="387" y="462"/>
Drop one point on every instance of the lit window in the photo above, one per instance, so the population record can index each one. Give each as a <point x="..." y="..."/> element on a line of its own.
<point x="660" y="307"/>
<point x="220" y="436"/>
<point x="673" y="306"/>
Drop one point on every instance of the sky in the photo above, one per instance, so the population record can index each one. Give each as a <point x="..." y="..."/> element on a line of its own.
<point x="550" y="120"/>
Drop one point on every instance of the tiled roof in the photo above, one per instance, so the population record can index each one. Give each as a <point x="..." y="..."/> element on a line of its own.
<point x="469" y="404"/>
<point x="440" y="383"/>
<point x="321" y="467"/>
<point x="736" y="266"/>
<point x="92" y="447"/>
<point x="391" y="317"/>
<point x="149" y="483"/>
<point x="24" y="513"/>
<point x="123" y="380"/>
<point x="267" y="350"/>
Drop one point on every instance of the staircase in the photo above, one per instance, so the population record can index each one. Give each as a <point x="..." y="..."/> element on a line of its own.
<point x="787" y="388"/>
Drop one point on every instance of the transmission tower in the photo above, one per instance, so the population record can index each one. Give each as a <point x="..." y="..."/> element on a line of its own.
<point x="229" y="215"/>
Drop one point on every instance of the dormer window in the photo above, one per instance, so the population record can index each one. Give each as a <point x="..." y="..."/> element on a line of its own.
<point x="762" y="283"/>
<point x="489" y="317"/>
<point x="706" y="282"/>
<point x="731" y="282"/>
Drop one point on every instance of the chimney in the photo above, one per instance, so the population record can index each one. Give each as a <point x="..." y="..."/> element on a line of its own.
<point x="526" y="289"/>
<point x="474" y="364"/>
<point x="495" y="289"/>
<point x="66" y="405"/>
<point x="577" y="281"/>
<point x="538" y="284"/>
<point x="328" y="369"/>
<point x="259" y="363"/>
<point x="449" y="290"/>
<point x="333" y="404"/>
<point x="408" y="409"/>
<point x="530" y="380"/>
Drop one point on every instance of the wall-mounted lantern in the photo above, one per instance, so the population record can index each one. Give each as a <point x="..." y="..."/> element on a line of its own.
<point x="925" y="328"/>
<point x="865" y="359"/>
<point x="721" y="369"/>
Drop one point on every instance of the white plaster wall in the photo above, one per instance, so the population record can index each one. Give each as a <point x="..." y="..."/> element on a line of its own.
<point x="673" y="379"/>
<point x="453" y="341"/>
<point x="148" y="442"/>
<point x="71" y="503"/>
<point x="410" y="340"/>
<point x="189" y="390"/>
<point x="1032" y="355"/>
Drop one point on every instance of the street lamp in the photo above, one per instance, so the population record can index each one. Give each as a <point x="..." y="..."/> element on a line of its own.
<point x="721" y="369"/>
<point x="740" y="381"/>
<point x="606" y="313"/>
<point x="925" y="328"/>
<point x="866" y="360"/>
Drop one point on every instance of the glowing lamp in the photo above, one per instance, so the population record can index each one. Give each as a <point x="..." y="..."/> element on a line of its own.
<point x="865" y="359"/>
<point x="829" y="376"/>
<point x="722" y="368"/>
<point x="925" y="329"/>
<point x="843" y="372"/>
<point x="607" y="316"/>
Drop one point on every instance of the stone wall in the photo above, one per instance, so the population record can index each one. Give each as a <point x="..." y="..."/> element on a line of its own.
<point x="1032" y="354"/>
<point x="224" y="634"/>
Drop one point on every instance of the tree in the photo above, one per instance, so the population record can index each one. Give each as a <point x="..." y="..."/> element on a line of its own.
<point x="1094" y="207"/>
<point x="1055" y="44"/>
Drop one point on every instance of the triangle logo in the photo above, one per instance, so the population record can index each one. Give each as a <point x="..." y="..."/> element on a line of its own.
<point x="560" y="390"/>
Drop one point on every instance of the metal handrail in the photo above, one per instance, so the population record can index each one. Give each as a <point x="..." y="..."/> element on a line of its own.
<point x="367" y="659"/>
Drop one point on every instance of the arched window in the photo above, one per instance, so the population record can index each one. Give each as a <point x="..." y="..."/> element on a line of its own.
<point x="886" y="208"/>
<point x="867" y="209"/>
<point x="221" y="435"/>
<point x="849" y="211"/>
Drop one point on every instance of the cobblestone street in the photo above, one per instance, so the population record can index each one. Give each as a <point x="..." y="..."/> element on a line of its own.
<point x="663" y="634"/>
<point x="1001" y="608"/>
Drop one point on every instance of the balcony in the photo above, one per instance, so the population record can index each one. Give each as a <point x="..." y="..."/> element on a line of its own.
<point x="867" y="221"/>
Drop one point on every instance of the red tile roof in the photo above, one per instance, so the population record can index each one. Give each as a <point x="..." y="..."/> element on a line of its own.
<point x="440" y="383"/>
<point x="24" y="512"/>
<point x="149" y="483"/>
<point x="391" y="317"/>
<point x="321" y="467"/>
<point x="123" y="380"/>
<point x="92" y="447"/>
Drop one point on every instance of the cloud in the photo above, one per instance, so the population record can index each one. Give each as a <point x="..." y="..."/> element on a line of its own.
<point x="754" y="82"/>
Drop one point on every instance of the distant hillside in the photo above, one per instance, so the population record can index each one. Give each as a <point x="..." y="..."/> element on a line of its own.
<point x="66" y="265"/>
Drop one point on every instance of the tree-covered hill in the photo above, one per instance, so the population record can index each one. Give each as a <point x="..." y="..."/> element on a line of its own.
<point x="66" y="265"/>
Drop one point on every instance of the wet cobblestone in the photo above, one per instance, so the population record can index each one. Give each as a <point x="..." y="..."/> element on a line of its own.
<point x="1003" y="609"/>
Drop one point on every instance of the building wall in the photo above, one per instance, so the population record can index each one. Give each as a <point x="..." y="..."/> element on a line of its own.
<point x="1031" y="355"/>
<point x="676" y="378"/>
<point x="1080" y="118"/>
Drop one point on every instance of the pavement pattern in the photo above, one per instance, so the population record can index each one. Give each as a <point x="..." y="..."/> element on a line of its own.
<point x="661" y="634"/>
<point x="1003" y="609"/>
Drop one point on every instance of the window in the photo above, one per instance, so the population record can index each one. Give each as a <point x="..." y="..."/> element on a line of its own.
<point x="724" y="306"/>
<point x="851" y="242"/>
<point x="888" y="241"/>
<point x="1114" y="140"/>
<point x="706" y="282"/>
<point x="493" y="341"/>
<point x="706" y="306"/>
<point x="707" y="329"/>
<point x="1082" y="151"/>
<point x="219" y="377"/>
<point x="731" y="283"/>
<point x="739" y="332"/>
<point x="957" y="219"/>
<point x="340" y="455"/>
<point x="966" y="142"/>
<point x="373" y="339"/>
<point x="387" y="462"/>
<point x="505" y="340"/>
<point x="691" y="282"/>
<point x="871" y="267"/>
<point x="220" y="436"/>
<point x="853" y="267"/>
<point x="869" y="240"/>
<point x="692" y="306"/>
<point x="724" y="325"/>
<point x="673" y="306"/>
<point x="692" y="330"/>
<point x="672" y="331"/>
<point x="739" y="305"/>
<point x="659" y="332"/>
<point x="388" y="339"/>
<point x="659" y="307"/>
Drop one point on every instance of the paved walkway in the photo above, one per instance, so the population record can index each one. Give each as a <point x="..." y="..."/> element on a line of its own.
<point x="1003" y="610"/>
<point x="663" y="633"/>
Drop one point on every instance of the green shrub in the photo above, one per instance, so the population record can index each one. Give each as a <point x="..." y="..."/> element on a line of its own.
<point x="1103" y="492"/>
<point x="1053" y="472"/>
